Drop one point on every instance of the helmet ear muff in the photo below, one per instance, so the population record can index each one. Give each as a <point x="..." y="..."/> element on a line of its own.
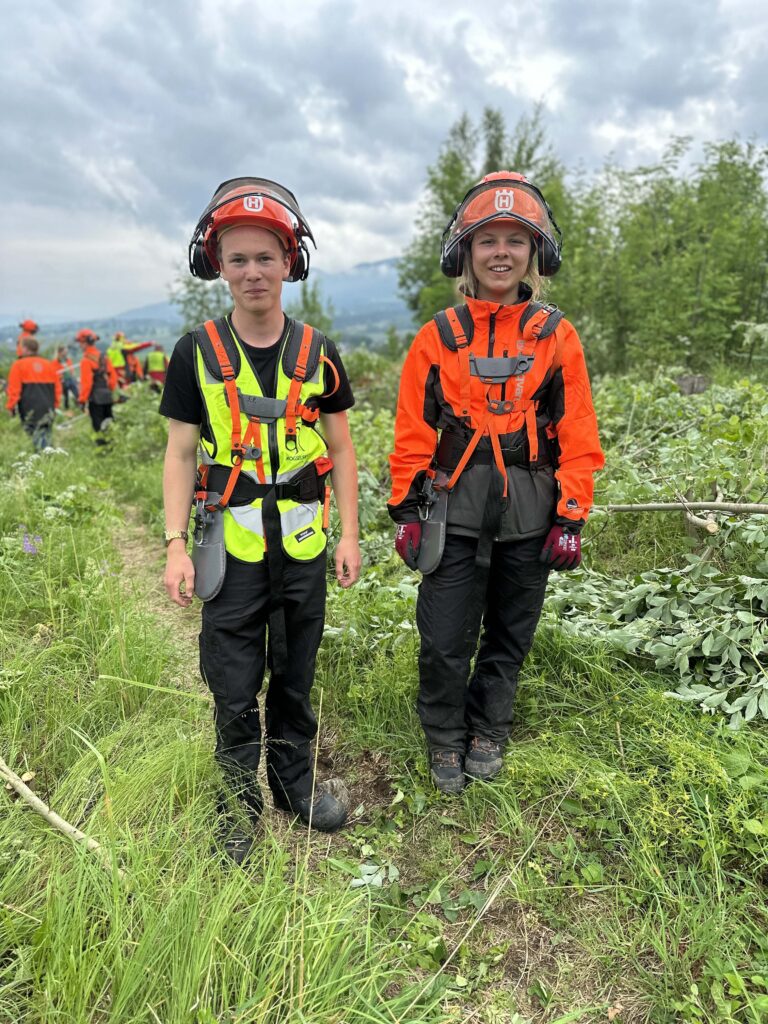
<point x="199" y="264"/>
<point x="549" y="257"/>
<point x="300" y="268"/>
<point x="452" y="262"/>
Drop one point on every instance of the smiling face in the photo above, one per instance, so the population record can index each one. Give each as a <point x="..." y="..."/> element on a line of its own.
<point x="254" y="265"/>
<point x="501" y="253"/>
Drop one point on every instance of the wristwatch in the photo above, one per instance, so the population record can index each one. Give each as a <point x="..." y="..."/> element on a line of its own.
<point x="170" y="535"/>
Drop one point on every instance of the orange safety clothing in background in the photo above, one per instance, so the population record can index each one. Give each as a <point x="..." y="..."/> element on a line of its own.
<point x="546" y="413"/>
<point x="34" y="387"/>
<point x="28" y="330"/>
<point x="97" y="377"/>
<point x="133" y="368"/>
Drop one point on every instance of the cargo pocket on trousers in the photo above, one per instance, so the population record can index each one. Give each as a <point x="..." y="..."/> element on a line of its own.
<point x="210" y="660"/>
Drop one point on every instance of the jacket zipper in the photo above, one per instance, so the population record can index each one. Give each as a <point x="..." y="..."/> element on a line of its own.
<point x="491" y="333"/>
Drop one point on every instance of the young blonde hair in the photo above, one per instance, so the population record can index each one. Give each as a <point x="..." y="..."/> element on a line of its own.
<point x="468" y="282"/>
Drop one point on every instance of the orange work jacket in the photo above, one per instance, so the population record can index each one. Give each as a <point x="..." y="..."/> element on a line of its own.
<point x="90" y="374"/>
<point x="548" y="410"/>
<point x="33" y="386"/>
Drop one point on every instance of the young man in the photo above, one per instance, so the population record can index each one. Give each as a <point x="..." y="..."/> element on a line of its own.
<point x="98" y="381"/>
<point x="250" y="390"/>
<point x="34" y="392"/>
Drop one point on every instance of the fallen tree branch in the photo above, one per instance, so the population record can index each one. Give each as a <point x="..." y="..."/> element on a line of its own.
<point x="55" y="819"/>
<point x="676" y="506"/>
<point x="707" y="524"/>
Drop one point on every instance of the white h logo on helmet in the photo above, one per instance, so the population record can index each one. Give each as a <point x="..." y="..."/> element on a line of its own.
<point x="505" y="199"/>
<point x="253" y="204"/>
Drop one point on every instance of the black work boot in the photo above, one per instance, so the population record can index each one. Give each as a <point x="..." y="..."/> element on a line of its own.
<point x="327" y="812"/>
<point x="484" y="758"/>
<point x="233" y="840"/>
<point x="231" y="837"/>
<point x="447" y="769"/>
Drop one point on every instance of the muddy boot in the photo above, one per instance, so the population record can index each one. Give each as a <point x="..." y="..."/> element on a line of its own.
<point x="327" y="812"/>
<point x="447" y="770"/>
<point x="484" y="758"/>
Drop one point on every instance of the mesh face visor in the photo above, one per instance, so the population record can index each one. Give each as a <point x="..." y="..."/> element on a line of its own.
<point x="240" y="188"/>
<point x="500" y="200"/>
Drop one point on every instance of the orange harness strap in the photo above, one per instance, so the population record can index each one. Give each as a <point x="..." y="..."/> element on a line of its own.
<point x="292" y="410"/>
<point x="473" y="442"/>
<point x="336" y="378"/>
<point x="230" y="383"/>
<point x="238" y="445"/>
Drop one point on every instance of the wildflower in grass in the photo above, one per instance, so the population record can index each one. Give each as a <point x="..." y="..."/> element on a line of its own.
<point x="30" y="543"/>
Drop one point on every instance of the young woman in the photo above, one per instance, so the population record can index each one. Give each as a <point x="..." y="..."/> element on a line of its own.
<point x="495" y="448"/>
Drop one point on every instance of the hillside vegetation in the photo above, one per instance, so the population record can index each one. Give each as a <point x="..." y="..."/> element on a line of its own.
<point x="616" y="872"/>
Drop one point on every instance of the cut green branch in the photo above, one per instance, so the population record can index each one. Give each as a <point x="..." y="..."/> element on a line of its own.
<point x="34" y="801"/>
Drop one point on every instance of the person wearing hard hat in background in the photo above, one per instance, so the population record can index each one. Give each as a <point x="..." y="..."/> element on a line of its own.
<point x="98" y="381"/>
<point x="28" y="330"/>
<point x="133" y="368"/>
<point x="116" y="356"/>
<point x="156" y="366"/>
<point x="496" y="445"/>
<point x="265" y="400"/>
<point x="34" y="392"/>
<point x="66" y="373"/>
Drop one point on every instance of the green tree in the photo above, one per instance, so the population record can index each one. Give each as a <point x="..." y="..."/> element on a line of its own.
<point x="310" y="308"/>
<point x="199" y="300"/>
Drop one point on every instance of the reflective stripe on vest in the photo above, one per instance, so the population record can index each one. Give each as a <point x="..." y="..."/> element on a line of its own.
<point x="301" y="524"/>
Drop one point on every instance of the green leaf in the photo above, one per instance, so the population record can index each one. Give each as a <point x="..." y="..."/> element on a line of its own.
<point x="736" y="763"/>
<point x="755" y="827"/>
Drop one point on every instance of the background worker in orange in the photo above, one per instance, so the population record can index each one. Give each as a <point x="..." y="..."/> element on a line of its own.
<point x="34" y="392"/>
<point x="28" y="330"/>
<point x="495" y="416"/>
<point x="133" y="368"/>
<point x="98" y="381"/>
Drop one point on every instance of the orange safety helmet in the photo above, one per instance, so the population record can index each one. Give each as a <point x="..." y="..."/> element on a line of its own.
<point x="255" y="201"/>
<point x="503" y="195"/>
<point x="29" y="326"/>
<point x="87" y="335"/>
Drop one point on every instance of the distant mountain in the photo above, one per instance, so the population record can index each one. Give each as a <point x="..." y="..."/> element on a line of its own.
<point x="365" y="303"/>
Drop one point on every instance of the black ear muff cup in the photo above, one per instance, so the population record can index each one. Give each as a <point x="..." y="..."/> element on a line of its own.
<point x="300" y="268"/>
<point x="199" y="264"/>
<point x="452" y="263"/>
<point x="549" y="258"/>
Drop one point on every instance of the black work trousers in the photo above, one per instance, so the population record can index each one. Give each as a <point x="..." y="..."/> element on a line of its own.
<point x="234" y="653"/>
<point x="448" y="614"/>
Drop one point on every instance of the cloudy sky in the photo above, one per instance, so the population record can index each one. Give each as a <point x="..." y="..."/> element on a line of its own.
<point x="120" y="118"/>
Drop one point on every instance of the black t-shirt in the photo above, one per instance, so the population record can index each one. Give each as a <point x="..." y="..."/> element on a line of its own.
<point x="182" y="399"/>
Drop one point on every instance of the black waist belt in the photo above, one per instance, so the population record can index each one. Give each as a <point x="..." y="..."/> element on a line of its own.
<point x="305" y="487"/>
<point x="452" y="447"/>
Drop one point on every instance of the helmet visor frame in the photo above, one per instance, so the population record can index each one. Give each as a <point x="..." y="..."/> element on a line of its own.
<point x="244" y="187"/>
<point x="479" y="208"/>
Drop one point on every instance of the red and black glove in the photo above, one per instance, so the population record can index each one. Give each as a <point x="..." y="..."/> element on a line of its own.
<point x="562" y="548"/>
<point x="408" y="542"/>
